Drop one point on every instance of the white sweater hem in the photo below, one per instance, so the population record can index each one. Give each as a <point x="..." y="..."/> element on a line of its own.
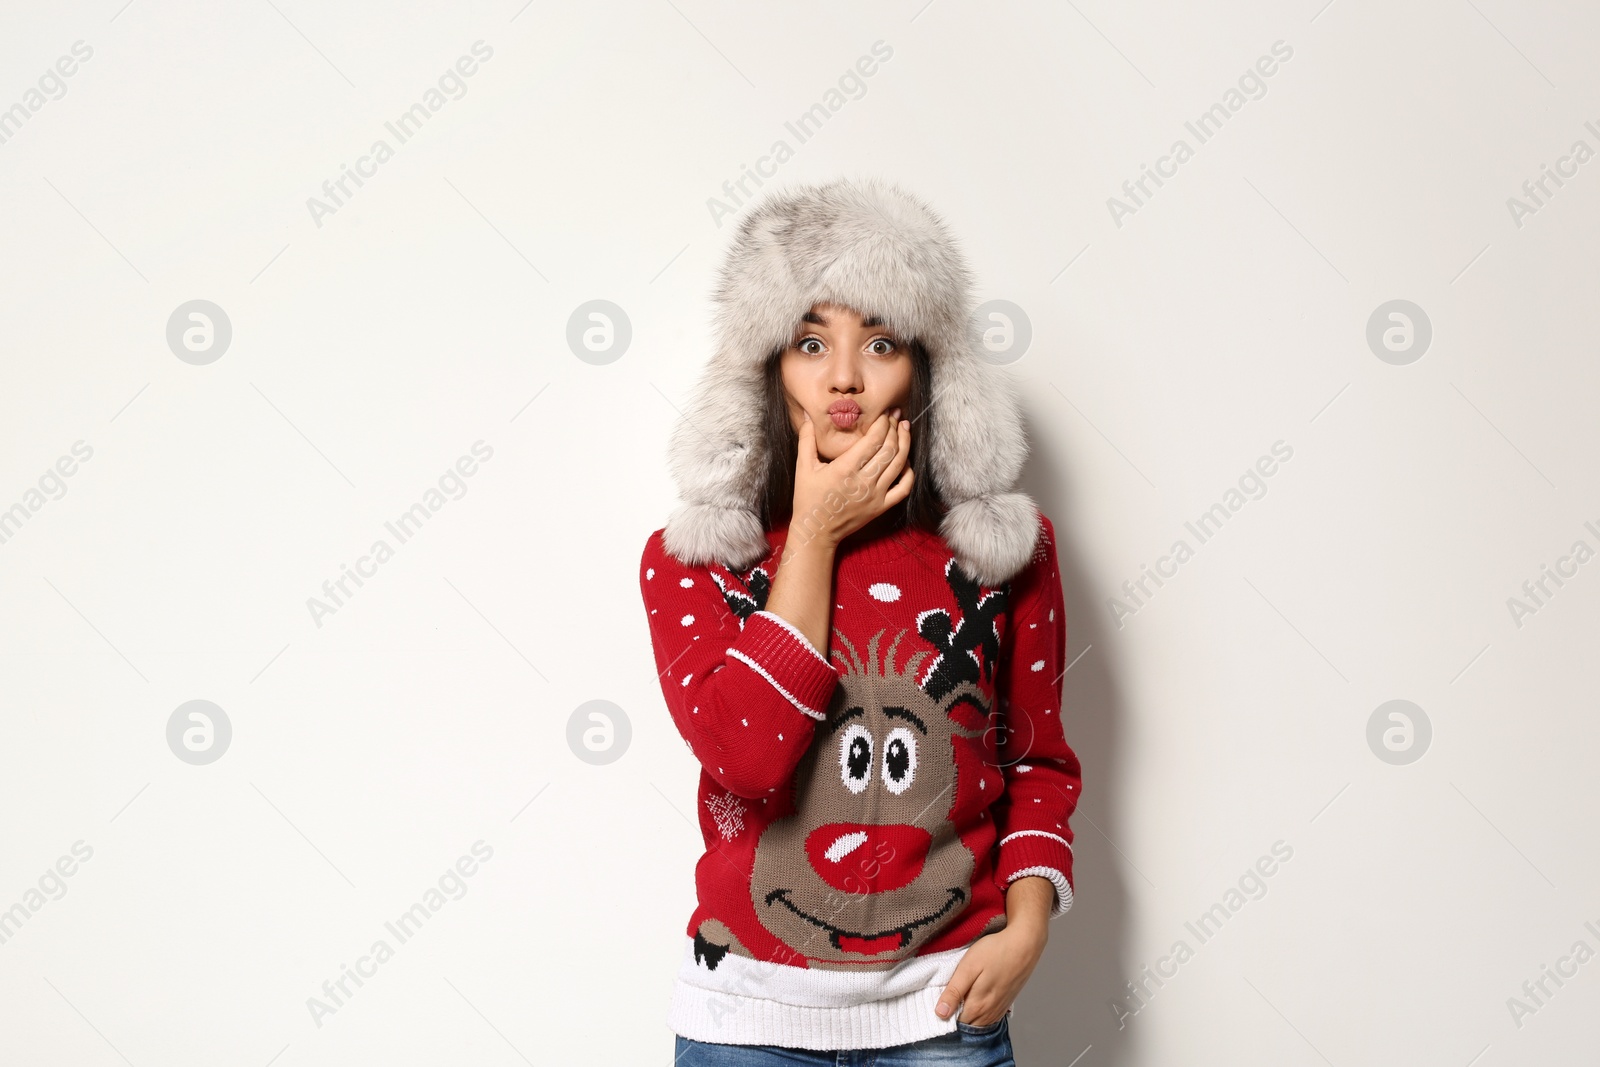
<point x="746" y="1002"/>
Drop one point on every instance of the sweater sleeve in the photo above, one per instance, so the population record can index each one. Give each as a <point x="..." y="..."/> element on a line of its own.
<point x="745" y="696"/>
<point x="1043" y="778"/>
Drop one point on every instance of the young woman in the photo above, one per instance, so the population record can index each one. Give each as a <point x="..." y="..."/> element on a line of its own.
<point x="859" y="630"/>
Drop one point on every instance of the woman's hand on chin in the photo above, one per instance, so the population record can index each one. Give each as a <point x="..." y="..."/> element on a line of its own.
<point x="834" y="499"/>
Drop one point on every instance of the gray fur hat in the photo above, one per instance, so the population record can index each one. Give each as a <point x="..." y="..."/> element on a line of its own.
<point x="870" y="246"/>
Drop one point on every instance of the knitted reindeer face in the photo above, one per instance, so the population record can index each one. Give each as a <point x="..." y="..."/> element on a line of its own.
<point x="869" y="865"/>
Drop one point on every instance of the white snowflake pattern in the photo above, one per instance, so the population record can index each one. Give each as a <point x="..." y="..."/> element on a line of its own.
<point x="729" y="815"/>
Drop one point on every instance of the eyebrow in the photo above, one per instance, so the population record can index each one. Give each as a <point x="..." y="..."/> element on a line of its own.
<point x="890" y="711"/>
<point x="817" y="320"/>
<point x="840" y="721"/>
<point x="902" y="713"/>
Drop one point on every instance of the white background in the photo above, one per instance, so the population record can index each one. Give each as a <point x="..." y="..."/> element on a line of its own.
<point x="429" y="312"/>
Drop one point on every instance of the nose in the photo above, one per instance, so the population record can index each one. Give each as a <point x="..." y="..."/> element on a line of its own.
<point x="844" y="372"/>
<point x="867" y="857"/>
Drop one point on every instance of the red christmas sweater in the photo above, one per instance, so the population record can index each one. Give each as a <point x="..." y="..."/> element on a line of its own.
<point x="864" y="811"/>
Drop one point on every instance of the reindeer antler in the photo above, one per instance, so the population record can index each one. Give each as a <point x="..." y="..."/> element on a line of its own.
<point x="746" y="602"/>
<point x="881" y="668"/>
<point x="959" y="695"/>
<point x="960" y="640"/>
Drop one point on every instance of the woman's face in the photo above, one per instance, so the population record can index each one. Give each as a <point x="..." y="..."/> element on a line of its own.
<point x="845" y="371"/>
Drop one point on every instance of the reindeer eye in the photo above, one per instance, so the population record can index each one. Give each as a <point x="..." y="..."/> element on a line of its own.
<point x="899" y="759"/>
<point x="855" y="757"/>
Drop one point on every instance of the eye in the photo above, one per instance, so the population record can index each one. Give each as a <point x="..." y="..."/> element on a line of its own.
<point x="855" y="757"/>
<point x="899" y="759"/>
<point x="887" y="346"/>
<point x="805" y="346"/>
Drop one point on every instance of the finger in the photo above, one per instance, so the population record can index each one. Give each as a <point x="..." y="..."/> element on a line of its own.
<point x="885" y="455"/>
<point x="978" y="1006"/>
<point x="900" y="490"/>
<point x="902" y="455"/>
<point x="867" y="479"/>
<point x="855" y="455"/>
<point x="877" y="460"/>
<point x="956" y="991"/>
<point x="806" y="452"/>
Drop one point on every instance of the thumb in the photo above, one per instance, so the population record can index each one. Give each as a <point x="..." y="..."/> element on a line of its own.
<point x="955" y="991"/>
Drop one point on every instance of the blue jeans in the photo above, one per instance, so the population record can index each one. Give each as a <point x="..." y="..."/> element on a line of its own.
<point x="968" y="1046"/>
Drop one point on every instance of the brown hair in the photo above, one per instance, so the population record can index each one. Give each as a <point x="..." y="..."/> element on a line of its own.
<point x="923" y="508"/>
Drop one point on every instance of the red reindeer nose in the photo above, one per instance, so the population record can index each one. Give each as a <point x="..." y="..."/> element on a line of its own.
<point x="860" y="857"/>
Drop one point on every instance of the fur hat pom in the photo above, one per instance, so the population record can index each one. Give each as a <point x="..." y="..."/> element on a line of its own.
<point x="993" y="536"/>
<point x="706" y="533"/>
<point x="871" y="246"/>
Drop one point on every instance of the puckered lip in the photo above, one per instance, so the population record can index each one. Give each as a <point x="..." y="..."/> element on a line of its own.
<point x="845" y="406"/>
<point x="868" y="944"/>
